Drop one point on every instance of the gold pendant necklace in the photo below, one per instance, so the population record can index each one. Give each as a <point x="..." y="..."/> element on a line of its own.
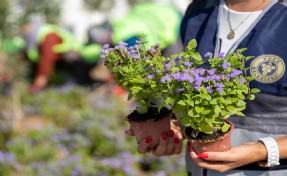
<point x="231" y="34"/>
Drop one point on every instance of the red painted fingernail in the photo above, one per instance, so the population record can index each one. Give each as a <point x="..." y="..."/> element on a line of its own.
<point x="171" y="133"/>
<point x="189" y="147"/>
<point x="148" y="139"/>
<point x="203" y="155"/>
<point x="164" y="136"/>
<point x="176" y="140"/>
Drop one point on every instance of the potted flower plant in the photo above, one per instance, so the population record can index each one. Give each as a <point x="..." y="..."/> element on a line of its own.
<point x="203" y="99"/>
<point x="133" y="69"/>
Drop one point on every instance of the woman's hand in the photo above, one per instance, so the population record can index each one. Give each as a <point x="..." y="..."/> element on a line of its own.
<point x="235" y="157"/>
<point x="169" y="143"/>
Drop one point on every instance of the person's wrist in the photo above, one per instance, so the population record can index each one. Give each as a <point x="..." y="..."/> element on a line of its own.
<point x="261" y="152"/>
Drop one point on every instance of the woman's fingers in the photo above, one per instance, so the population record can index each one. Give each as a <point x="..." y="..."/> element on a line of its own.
<point x="144" y="146"/>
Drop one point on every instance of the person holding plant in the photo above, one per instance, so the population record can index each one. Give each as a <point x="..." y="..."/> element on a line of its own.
<point x="260" y="137"/>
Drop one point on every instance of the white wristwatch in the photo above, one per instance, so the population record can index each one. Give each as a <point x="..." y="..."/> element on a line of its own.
<point x="272" y="152"/>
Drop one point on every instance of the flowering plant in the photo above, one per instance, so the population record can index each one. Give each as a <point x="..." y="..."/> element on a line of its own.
<point x="133" y="69"/>
<point x="202" y="98"/>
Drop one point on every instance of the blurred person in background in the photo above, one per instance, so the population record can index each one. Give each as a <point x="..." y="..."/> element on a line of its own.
<point x="158" y="22"/>
<point x="51" y="49"/>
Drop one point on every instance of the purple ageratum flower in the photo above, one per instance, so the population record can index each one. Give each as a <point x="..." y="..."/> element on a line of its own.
<point x="185" y="77"/>
<point x="133" y="51"/>
<point x="208" y="54"/>
<point x="103" y="53"/>
<point x="194" y="71"/>
<point x="201" y="71"/>
<point x="103" y="56"/>
<point x="225" y="65"/>
<point x="178" y="91"/>
<point x="196" y="87"/>
<point x="146" y="58"/>
<point x="106" y="46"/>
<point x="241" y="80"/>
<point x="190" y="79"/>
<point x="176" y="76"/>
<point x="219" y="87"/>
<point x="134" y="56"/>
<point x="198" y="83"/>
<point x="187" y="63"/>
<point x="221" y="54"/>
<point x="152" y="50"/>
<point x="176" y="60"/>
<point x="166" y="78"/>
<point x="167" y="66"/>
<point x="215" y="78"/>
<point x="199" y="78"/>
<point x="211" y="72"/>
<point x="151" y="76"/>
<point x="121" y="43"/>
<point x="235" y="73"/>
<point x="209" y="89"/>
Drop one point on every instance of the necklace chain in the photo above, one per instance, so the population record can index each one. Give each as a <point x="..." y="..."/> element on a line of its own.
<point x="231" y="34"/>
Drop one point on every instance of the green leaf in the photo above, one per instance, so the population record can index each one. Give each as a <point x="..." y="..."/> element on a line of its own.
<point x="241" y="103"/>
<point x="225" y="127"/>
<point x="192" y="113"/>
<point x="255" y="90"/>
<point x="193" y="125"/>
<point x="135" y="90"/>
<point x="209" y="120"/>
<point x="217" y="109"/>
<point x="231" y="109"/>
<point x="205" y="128"/>
<point x="206" y="96"/>
<point x="240" y="114"/>
<point x="225" y="114"/>
<point x="205" y="112"/>
<point x="185" y="121"/>
<point x="213" y="101"/>
<point x="181" y="102"/>
<point x="251" y="97"/>
<point x="192" y="44"/>
<point x="142" y="109"/>
<point x="169" y="101"/>
<point x="199" y="109"/>
<point x="190" y="102"/>
<point x="196" y="56"/>
<point x="222" y="100"/>
<point x="198" y="101"/>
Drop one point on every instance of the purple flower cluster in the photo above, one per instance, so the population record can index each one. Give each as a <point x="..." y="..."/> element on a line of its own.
<point x="7" y="158"/>
<point x="198" y="77"/>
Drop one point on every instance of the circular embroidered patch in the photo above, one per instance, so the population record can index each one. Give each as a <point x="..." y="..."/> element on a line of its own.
<point x="267" y="68"/>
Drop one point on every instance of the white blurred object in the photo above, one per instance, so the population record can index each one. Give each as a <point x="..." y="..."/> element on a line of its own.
<point x="77" y="18"/>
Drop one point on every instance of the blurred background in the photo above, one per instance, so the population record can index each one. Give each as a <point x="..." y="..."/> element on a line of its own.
<point x="60" y="112"/>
